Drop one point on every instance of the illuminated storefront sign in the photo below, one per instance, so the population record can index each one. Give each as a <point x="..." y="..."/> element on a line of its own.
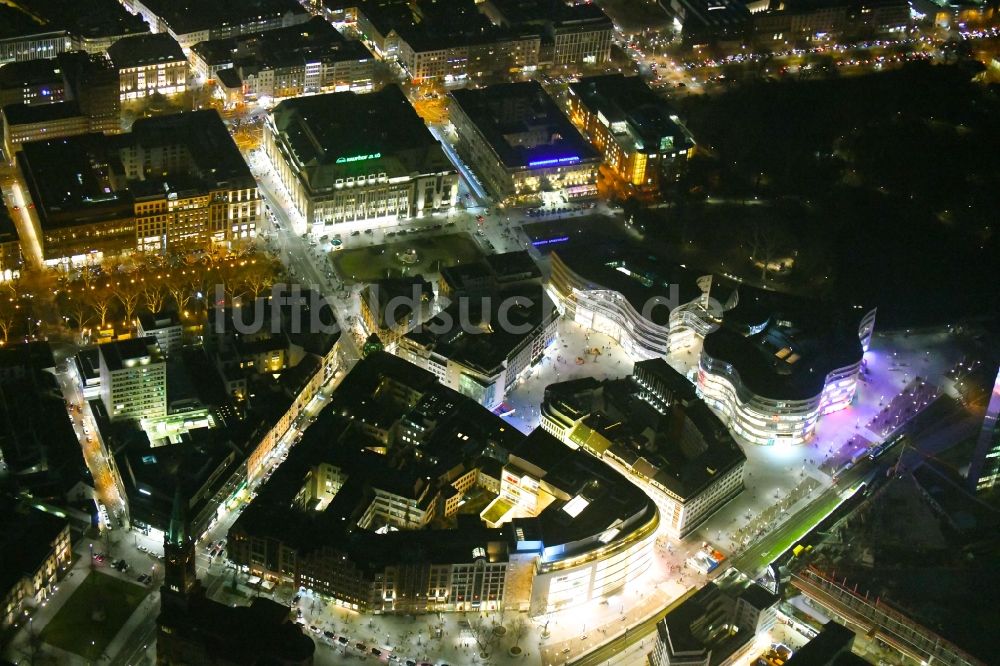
<point x="359" y="158"/>
<point x="553" y="161"/>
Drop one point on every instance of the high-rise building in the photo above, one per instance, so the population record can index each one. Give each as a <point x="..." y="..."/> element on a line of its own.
<point x="984" y="472"/>
<point x="133" y="379"/>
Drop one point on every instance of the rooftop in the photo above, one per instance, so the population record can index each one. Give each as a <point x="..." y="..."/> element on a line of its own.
<point x="16" y="75"/>
<point x="342" y="135"/>
<point x="489" y="345"/>
<point x="783" y="347"/>
<point x="642" y="278"/>
<point x="126" y="353"/>
<point x="682" y="446"/>
<point x="142" y="50"/>
<point x="638" y="118"/>
<point x="93" y="19"/>
<point x="394" y="300"/>
<point x="523" y="125"/>
<point x="313" y="40"/>
<point x="186" y="16"/>
<point x="22" y="114"/>
<point x="26" y="538"/>
<point x="79" y="179"/>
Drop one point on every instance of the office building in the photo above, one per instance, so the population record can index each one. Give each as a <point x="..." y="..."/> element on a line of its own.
<point x="479" y="346"/>
<point x="520" y="144"/>
<point x="984" y="471"/>
<point x="22" y="123"/>
<point x="638" y="133"/>
<point x="650" y="306"/>
<point x="348" y="158"/>
<point x="776" y="364"/>
<point x="165" y="327"/>
<point x="346" y="514"/>
<point x="148" y="65"/>
<point x="173" y="181"/>
<point x="193" y="21"/>
<point x="781" y="22"/>
<point x="89" y="80"/>
<point x="650" y="425"/>
<point x="31" y="82"/>
<point x="573" y="35"/>
<point x="133" y="379"/>
<point x="31" y="29"/>
<point x="446" y="43"/>
<point x="286" y="62"/>
<point x="35" y="553"/>
<point x="716" y="626"/>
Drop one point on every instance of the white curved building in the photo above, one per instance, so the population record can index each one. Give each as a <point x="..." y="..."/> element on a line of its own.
<point x="649" y="308"/>
<point x="776" y="366"/>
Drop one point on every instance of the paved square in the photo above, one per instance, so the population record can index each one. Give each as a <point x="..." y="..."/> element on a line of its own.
<point x="413" y="256"/>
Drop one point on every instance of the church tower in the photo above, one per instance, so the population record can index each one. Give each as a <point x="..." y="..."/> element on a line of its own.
<point x="180" y="579"/>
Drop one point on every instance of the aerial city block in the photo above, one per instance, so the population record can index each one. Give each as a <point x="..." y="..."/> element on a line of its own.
<point x="500" y="332"/>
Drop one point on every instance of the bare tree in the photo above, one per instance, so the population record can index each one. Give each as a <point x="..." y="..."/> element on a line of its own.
<point x="128" y="291"/>
<point x="766" y="245"/>
<point x="180" y="290"/>
<point x="154" y="293"/>
<point x="9" y="311"/>
<point x="518" y="628"/>
<point x="100" y="298"/>
<point x="482" y="632"/>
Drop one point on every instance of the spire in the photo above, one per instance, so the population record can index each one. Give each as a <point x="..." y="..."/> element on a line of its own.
<point x="177" y="534"/>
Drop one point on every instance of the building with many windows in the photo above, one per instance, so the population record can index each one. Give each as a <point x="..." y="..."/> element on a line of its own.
<point x="308" y="58"/>
<point x="715" y="626"/>
<point x="368" y="508"/>
<point x="520" y="144"/>
<point x="643" y="143"/>
<point x="133" y="379"/>
<point x="173" y="181"/>
<point x="776" y="364"/>
<point x="149" y="64"/>
<point x="481" y="345"/>
<point x="652" y="426"/>
<point x="649" y="306"/>
<point x="573" y="35"/>
<point x="349" y="158"/>
<point x="193" y="21"/>
<point x="984" y="471"/>
<point x="37" y="552"/>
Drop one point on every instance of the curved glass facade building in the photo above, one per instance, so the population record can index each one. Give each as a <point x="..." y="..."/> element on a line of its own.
<point x="777" y="365"/>
<point x="647" y="307"/>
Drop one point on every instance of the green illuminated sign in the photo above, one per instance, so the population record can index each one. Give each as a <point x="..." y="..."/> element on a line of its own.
<point x="359" y="158"/>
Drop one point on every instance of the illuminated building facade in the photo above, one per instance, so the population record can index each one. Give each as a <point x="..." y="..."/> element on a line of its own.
<point x="480" y="346"/>
<point x="519" y="143"/>
<point x="651" y="425"/>
<point x="564" y="528"/>
<point x="640" y="137"/>
<point x="217" y="19"/>
<point x="149" y="64"/>
<point x="172" y="181"/>
<point x="984" y="472"/>
<point x="287" y="62"/>
<point x="133" y="379"/>
<point x="348" y="158"/>
<point x="37" y="552"/>
<point x="649" y="308"/>
<point x="775" y="366"/>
